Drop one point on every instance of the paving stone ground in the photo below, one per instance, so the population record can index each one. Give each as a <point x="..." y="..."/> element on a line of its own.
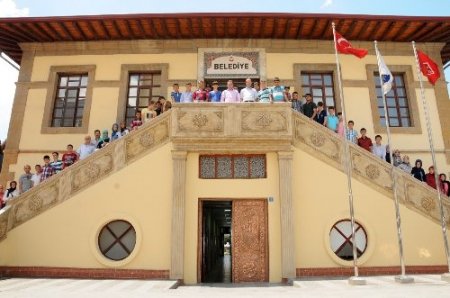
<point x="381" y="286"/>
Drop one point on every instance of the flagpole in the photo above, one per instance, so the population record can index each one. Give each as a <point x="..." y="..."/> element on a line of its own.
<point x="402" y="278"/>
<point x="355" y="279"/>
<point x="445" y="276"/>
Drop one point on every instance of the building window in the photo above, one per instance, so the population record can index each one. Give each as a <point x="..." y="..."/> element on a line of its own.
<point x="117" y="240"/>
<point x="321" y="86"/>
<point x="232" y="166"/>
<point x="70" y="100"/>
<point x="396" y="102"/>
<point x="341" y="239"/>
<point x="142" y="87"/>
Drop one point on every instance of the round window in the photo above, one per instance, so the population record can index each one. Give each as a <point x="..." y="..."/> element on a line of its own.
<point x="341" y="239"/>
<point x="117" y="240"/>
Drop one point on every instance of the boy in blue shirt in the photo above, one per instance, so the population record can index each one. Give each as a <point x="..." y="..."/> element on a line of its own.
<point x="176" y="94"/>
<point x="331" y="120"/>
<point x="277" y="91"/>
<point x="215" y="94"/>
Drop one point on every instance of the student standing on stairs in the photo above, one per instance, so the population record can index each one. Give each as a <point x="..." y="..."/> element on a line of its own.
<point x="296" y="103"/>
<point x="248" y="94"/>
<point x="37" y="176"/>
<point x="56" y="164"/>
<point x="47" y="169"/>
<point x="214" y="95"/>
<point x="321" y="113"/>
<point x="364" y="141"/>
<point x="264" y="93"/>
<point x="69" y="157"/>
<point x="309" y="107"/>
<point x="352" y="134"/>
<point x="379" y="149"/>
<point x="405" y="165"/>
<point x="331" y="120"/>
<point x="25" y="181"/>
<point x="417" y="171"/>
<point x="429" y="177"/>
<point x="11" y="192"/>
<point x="85" y="149"/>
<point x="175" y="95"/>
<point x="445" y="184"/>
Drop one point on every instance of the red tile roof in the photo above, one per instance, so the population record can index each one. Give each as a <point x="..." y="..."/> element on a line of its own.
<point x="221" y="25"/>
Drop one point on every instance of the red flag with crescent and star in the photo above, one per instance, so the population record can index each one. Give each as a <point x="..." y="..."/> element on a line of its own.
<point x="344" y="47"/>
<point x="428" y="67"/>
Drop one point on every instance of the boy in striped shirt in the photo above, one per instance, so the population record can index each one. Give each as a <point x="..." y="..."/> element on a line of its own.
<point x="56" y="164"/>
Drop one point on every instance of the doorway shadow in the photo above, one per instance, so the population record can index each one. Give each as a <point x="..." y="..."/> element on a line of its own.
<point x="216" y="242"/>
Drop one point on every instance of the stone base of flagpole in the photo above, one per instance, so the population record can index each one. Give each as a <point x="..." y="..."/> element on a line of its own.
<point x="404" y="279"/>
<point x="357" y="281"/>
<point x="446" y="277"/>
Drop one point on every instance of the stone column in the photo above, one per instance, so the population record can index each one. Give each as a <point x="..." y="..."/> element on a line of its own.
<point x="178" y="212"/>
<point x="11" y="152"/>
<point x="287" y="217"/>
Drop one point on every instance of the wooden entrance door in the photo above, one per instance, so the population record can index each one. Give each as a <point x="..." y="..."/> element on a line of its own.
<point x="250" y="241"/>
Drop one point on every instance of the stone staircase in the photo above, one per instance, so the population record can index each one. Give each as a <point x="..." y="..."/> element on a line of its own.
<point x="85" y="173"/>
<point x="212" y="125"/>
<point x="322" y="143"/>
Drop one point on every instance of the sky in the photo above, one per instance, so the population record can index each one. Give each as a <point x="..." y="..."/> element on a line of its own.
<point x="34" y="8"/>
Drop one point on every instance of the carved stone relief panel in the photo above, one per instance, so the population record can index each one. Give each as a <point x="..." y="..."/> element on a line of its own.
<point x="264" y="121"/>
<point x="34" y="202"/>
<point x="424" y="199"/>
<point x="371" y="169"/>
<point x="92" y="170"/>
<point x="321" y="141"/>
<point x="199" y="121"/>
<point x="146" y="139"/>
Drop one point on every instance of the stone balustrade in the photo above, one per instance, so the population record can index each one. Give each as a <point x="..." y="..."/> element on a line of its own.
<point x="84" y="173"/>
<point x="368" y="169"/>
<point x="223" y="127"/>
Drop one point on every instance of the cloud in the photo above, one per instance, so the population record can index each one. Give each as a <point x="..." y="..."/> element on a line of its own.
<point x="326" y="3"/>
<point x="8" y="8"/>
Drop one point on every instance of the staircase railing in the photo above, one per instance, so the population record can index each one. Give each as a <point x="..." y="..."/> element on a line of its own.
<point x="85" y="173"/>
<point x="367" y="168"/>
<point x="277" y="122"/>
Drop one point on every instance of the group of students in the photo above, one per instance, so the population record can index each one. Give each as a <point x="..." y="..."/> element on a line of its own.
<point x="101" y="139"/>
<point x="261" y="93"/>
<point x="154" y="109"/>
<point x="335" y="123"/>
<point x="383" y="151"/>
<point x="252" y="92"/>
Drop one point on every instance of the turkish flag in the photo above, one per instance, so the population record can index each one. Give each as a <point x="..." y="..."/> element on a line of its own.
<point x="428" y="67"/>
<point x="344" y="47"/>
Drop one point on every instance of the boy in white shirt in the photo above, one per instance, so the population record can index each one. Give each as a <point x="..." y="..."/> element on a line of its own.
<point x="379" y="149"/>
